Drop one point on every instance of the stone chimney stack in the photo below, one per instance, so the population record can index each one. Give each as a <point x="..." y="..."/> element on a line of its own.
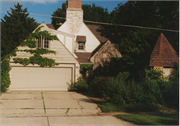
<point x="74" y="16"/>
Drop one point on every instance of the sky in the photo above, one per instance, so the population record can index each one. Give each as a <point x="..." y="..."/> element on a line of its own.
<point x="47" y="7"/>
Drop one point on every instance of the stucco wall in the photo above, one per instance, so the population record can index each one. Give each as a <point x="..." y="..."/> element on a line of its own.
<point x="167" y="71"/>
<point x="91" y="41"/>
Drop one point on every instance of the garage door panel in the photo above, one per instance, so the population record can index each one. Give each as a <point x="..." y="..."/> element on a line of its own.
<point x="37" y="78"/>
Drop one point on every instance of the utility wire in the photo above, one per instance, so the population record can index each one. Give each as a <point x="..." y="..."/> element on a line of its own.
<point x="99" y="22"/>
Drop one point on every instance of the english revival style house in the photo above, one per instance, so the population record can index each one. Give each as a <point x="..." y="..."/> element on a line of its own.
<point x="77" y="44"/>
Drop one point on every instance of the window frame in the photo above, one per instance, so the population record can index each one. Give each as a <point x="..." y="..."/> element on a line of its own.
<point x="83" y="45"/>
<point x="43" y="42"/>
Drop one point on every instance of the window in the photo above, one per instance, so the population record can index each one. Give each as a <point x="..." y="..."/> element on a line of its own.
<point x="46" y="43"/>
<point x="81" y="45"/>
<point x="81" y="42"/>
<point x="42" y="42"/>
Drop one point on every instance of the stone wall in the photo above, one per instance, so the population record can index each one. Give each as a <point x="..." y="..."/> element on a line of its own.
<point x="104" y="54"/>
<point x="74" y="19"/>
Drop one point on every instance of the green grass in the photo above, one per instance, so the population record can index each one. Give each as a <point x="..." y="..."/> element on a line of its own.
<point x="151" y="119"/>
<point x="110" y="107"/>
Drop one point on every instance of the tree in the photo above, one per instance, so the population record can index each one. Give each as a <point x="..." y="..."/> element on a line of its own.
<point x="136" y="44"/>
<point x="60" y="12"/>
<point x="91" y="13"/>
<point x="15" y="28"/>
<point x="95" y="13"/>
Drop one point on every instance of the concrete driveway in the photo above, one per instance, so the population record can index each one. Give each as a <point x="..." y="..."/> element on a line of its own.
<point x="52" y="109"/>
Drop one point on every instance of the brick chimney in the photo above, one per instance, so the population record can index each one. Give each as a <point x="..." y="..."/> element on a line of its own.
<point x="74" y="16"/>
<point x="75" y="4"/>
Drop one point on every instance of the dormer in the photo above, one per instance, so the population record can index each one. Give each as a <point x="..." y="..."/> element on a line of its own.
<point x="80" y="43"/>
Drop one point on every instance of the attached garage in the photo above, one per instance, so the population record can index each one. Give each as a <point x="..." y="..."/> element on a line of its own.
<point x="40" y="79"/>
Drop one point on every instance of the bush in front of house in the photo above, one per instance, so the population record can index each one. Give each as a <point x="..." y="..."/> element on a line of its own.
<point x="122" y="91"/>
<point x="170" y="93"/>
<point x="5" y="77"/>
<point x="93" y="85"/>
<point x="79" y="86"/>
<point x="171" y="88"/>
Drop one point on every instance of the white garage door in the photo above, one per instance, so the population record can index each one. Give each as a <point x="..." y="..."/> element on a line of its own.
<point x="40" y="79"/>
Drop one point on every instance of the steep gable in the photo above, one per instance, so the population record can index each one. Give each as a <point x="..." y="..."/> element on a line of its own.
<point x="48" y="25"/>
<point x="163" y="53"/>
<point x="63" y="55"/>
<point x="103" y="53"/>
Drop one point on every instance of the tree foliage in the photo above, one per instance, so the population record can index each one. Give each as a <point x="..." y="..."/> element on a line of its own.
<point x="136" y="44"/>
<point x="95" y="13"/>
<point x="16" y="26"/>
<point x="5" y="77"/>
<point x="60" y="12"/>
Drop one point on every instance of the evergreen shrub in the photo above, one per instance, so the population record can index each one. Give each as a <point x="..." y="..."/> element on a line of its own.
<point x="79" y="86"/>
<point x="93" y="85"/>
<point x="122" y="91"/>
<point x="170" y="93"/>
<point x="5" y="77"/>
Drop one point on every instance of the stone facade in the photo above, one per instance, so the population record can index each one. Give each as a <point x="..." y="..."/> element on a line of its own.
<point x="74" y="19"/>
<point x="104" y="54"/>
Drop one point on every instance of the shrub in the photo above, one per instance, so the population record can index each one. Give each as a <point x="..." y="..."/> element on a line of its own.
<point x="101" y="86"/>
<point x="122" y="91"/>
<point x="153" y="94"/>
<point x="122" y="76"/>
<point x="174" y="76"/>
<point x="170" y="93"/>
<point x="115" y="89"/>
<point x="154" y="75"/>
<point x="79" y="86"/>
<point x="5" y="78"/>
<point x="93" y="85"/>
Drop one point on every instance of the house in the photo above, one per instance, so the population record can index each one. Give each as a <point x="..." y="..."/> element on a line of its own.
<point x="77" y="44"/>
<point x="163" y="56"/>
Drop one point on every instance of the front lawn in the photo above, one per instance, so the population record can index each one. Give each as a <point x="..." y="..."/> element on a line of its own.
<point x="151" y="119"/>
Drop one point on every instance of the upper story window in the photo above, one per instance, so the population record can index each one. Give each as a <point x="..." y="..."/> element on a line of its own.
<point x="81" y="42"/>
<point x="42" y="42"/>
<point x="81" y="45"/>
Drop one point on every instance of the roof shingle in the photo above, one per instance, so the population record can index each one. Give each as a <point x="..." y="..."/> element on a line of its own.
<point x="49" y="25"/>
<point x="163" y="53"/>
<point x="83" y="57"/>
<point x="95" y="29"/>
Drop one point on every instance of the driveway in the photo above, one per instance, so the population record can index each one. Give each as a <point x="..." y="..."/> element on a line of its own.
<point x="52" y="109"/>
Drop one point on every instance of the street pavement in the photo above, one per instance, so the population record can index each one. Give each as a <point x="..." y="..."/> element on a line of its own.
<point x="52" y="109"/>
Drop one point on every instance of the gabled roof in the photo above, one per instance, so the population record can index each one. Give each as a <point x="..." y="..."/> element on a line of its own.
<point x="163" y="53"/>
<point x="97" y="48"/>
<point x="83" y="57"/>
<point x="49" y="26"/>
<point x="95" y="29"/>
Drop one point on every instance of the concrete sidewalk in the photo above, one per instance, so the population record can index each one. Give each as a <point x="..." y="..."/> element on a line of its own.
<point x="52" y="109"/>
